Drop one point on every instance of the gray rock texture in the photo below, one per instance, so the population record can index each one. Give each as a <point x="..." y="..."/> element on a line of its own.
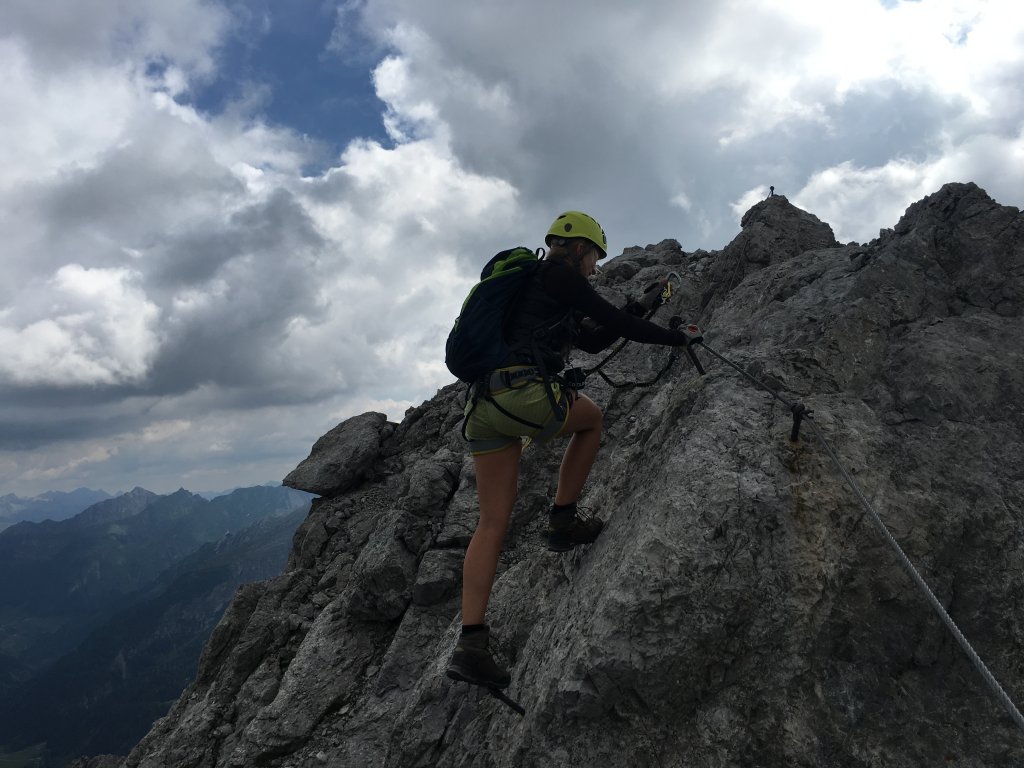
<point x="343" y="457"/>
<point x="739" y="609"/>
<point x="100" y="761"/>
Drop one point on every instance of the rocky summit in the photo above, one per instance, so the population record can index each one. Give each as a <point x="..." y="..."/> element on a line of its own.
<point x="741" y="608"/>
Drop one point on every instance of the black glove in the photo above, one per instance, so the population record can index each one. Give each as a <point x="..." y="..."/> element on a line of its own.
<point x="693" y="334"/>
<point x="636" y="309"/>
<point x="690" y="334"/>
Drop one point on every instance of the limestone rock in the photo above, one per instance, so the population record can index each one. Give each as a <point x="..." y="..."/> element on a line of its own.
<point x="341" y="458"/>
<point x="439" y="577"/>
<point x="739" y="609"/>
<point x="773" y="230"/>
<point x="383" y="575"/>
<point x="100" y="761"/>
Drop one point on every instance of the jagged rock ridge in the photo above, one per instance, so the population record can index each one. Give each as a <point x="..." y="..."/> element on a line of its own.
<point x="739" y="609"/>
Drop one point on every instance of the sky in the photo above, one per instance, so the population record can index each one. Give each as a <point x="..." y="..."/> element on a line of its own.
<point x="229" y="225"/>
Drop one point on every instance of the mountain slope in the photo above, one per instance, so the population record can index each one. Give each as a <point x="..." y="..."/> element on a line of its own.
<point x="739" y="609"/>
<point x="58" y="580"/>
<point x="103" y="696"/>
<point x="52" y="505"/>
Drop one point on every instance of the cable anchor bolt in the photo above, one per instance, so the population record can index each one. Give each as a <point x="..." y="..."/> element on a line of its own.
<point x="799" y="411"/>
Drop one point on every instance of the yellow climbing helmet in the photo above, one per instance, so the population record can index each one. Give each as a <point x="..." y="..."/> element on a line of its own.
<point x="578" y="224"/>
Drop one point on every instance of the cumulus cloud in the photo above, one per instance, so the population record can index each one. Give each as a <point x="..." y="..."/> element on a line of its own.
<point x="640" y="107"/>
<point x="100" y="331"/>
<point x="103" y="32"/>
<point x="879" y="194"/>
<point x="185" y="300"/>
<point x="179" y="286"/>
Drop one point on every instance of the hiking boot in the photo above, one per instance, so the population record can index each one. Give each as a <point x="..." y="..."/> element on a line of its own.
<point x="472" y="662"/>
<point x="569" y="527"/>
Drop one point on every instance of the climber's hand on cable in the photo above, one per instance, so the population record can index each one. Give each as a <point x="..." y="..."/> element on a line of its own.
<point x="690" y="333"/>
<point x="693" y="334"/>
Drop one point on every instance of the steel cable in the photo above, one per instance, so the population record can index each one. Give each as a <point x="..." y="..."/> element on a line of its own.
<point x="800" y="412"/>
<point x="989" y="678"/>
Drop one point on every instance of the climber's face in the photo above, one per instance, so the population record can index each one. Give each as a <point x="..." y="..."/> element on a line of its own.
<point x="588" y="262"/>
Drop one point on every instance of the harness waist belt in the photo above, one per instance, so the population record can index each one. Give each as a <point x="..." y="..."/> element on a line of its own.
<point x="505" y="379"/>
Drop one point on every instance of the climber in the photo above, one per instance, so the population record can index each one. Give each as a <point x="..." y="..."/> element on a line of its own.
<point x="546" y="322"/>
<point x="771" y="191"/>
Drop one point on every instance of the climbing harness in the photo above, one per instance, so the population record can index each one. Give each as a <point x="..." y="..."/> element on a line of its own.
<point x="503" y="379"/>
<point x="800" y="412"/>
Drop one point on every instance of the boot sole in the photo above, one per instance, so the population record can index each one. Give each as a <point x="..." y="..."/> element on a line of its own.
<point x="569" y="548"/>
<point x="454" y="674"/>
<point x="561" y="542"/>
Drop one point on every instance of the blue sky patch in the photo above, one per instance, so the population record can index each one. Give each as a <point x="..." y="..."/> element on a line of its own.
<point x="281" y="55"/>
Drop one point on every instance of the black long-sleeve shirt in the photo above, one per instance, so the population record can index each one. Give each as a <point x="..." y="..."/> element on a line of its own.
<point x="559" y="291"/>
<point x="568" y="287"/>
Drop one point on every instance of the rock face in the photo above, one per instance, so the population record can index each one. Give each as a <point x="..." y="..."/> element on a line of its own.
<point x="739" y="609"/>
<point x="763" y="242"/>
<point x="341" y="459"/>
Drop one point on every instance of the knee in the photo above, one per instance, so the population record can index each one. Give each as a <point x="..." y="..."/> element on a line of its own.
<point x="492" y="528"/>
<point x="584" y="416"/>
<point x="495" y="513"/>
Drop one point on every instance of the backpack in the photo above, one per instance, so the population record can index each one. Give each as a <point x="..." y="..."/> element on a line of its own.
<point x="477" y="344"/>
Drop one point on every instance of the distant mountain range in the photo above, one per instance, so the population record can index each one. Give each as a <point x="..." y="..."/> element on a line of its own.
<point x="51" y="505"/>
<point x="103" y="615"/>
<point x="60" y="505"/>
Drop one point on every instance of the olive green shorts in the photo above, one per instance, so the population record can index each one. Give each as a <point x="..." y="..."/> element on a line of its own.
<point x="489" y="430"/>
